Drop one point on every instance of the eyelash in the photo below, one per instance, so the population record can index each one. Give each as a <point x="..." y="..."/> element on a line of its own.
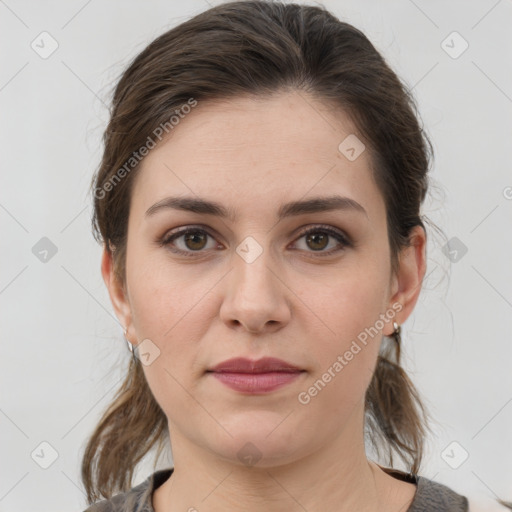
<point x="341" y="238"/>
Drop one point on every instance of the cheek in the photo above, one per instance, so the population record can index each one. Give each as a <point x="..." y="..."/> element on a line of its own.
<point x="163" y="294"/>
<point x="349" y="336"/>
<point x="172" y="306"/>
<point x="350" y="303"/>
<point x="166" y="306"/>
<point x="345" y="360"/>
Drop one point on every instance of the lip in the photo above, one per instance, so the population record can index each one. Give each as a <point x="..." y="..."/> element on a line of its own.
<point x="254" y="377"/>
<point x="263" y="365"/>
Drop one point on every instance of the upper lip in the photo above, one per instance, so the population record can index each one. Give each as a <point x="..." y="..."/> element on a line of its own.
<point x="263" y="365"/>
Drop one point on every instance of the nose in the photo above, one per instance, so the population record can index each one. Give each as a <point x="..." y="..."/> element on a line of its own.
<point x="256" y="298"/>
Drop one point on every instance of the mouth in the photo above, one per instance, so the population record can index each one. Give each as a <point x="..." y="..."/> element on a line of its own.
<point x="256" y="383"/>
<point x="255" y="377"/>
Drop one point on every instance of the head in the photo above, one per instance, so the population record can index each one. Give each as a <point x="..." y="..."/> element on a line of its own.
<point x="270" y="113"/>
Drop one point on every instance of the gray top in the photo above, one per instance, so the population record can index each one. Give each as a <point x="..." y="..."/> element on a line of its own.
<point x="430" y="496"/>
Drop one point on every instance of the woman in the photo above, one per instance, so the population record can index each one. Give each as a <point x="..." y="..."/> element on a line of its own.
<point x="259" y="204"/>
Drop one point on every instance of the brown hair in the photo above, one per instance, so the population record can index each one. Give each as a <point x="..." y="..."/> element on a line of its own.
<point x="258" y="48"/>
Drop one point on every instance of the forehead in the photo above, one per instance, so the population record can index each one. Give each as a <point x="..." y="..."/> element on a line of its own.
<point x="264" y="150"/>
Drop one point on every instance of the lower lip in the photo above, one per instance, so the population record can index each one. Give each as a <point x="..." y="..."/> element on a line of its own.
<point x="256" y="382"/>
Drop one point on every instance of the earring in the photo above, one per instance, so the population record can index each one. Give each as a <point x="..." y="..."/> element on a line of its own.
<point x="130" y="346"/>
<point x="396" y="333"/>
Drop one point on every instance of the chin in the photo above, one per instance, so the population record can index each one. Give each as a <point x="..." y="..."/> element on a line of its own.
<point x="260" y="439"/>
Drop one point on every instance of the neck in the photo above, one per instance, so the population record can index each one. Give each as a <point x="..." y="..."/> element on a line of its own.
<point x="334" y="476"/>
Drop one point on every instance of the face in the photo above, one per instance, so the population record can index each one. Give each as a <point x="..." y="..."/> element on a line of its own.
<point x="254" y="284"/>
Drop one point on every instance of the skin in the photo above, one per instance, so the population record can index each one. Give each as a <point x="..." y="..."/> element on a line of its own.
<point x="252" y="155"/>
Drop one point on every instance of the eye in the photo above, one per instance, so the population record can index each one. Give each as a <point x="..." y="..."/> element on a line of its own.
<point x="193" y="240"/>
<point x="317" y="239"/>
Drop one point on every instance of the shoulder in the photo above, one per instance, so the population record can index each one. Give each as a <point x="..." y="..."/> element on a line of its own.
<point x="137" y="499"/>
<point x="432" y="495"/>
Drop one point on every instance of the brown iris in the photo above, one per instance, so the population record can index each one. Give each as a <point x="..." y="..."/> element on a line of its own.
<point x="194" y="238"/>
<point x="315" y="239"/>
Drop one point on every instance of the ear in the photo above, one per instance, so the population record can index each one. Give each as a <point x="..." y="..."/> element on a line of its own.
<point x="116" y="291"/>
<point x="408" y="280"/>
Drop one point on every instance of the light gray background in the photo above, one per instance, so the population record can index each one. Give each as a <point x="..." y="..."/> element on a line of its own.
<point x="62" y="351"/>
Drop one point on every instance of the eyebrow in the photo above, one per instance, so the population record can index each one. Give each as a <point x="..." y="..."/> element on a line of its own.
<point x="294" y="208"/>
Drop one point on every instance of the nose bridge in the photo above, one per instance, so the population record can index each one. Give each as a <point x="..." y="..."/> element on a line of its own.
<point x="254" y="297"/>
<point x="253" y="266"/>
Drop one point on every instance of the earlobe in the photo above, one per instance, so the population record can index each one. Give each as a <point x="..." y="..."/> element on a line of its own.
<point x="412" y="266"/>
<point x="115" y="289"/>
